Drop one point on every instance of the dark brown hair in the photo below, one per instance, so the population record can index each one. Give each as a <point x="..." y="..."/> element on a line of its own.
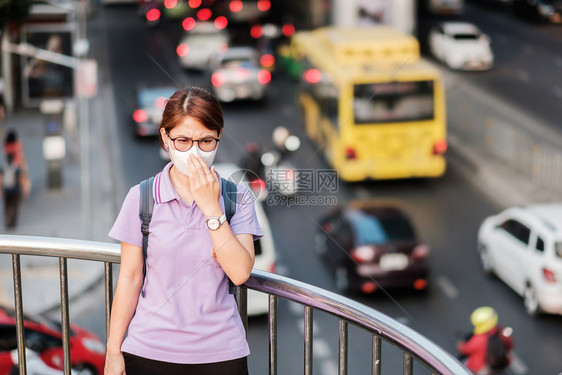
<point x="193" y="102"/>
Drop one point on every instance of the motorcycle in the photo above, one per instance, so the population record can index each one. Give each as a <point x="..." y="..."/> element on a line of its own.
<point x="506" y="332"/>
<point x="280" y="174"/>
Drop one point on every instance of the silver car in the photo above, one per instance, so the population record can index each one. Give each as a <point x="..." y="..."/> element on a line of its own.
<point x="237" y="74"/>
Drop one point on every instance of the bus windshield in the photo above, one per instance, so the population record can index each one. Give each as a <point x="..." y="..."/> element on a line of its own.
<point x="393" y="102"/>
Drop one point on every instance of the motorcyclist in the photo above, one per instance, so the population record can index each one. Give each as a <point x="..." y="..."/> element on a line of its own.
<point x="475" y="348"/>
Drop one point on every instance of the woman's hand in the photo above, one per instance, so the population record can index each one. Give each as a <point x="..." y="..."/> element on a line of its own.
<point x="114" y="364"/>
<point x="205" y="186"/>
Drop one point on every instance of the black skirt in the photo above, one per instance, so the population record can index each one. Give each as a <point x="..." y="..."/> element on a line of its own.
<point x="135" y="365"/>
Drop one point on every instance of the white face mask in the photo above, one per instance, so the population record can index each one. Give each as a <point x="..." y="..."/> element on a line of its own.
<point x="181" y="159"/>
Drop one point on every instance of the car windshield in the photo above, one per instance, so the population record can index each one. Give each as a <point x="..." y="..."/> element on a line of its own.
<point x="558" y="249"/>
<point x="466" y="36"/>
<point x="236" y="63"/>
<point x="390" y="226"/>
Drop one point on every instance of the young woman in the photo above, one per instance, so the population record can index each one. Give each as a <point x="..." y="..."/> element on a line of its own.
<point x="184" y="321"/>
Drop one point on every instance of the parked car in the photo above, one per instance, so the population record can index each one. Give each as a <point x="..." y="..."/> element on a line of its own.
<point x="539" y="10"/>
<point x="149" y="106"/>
<point x="198" y="45"/>
<point x="523" y="247"/>
<point x="237" y="74"/>
<point x="371" y="245"/>
<point x="461" y="45"/>
<point x="265" y="253"/>
<point x="44" y="336"/>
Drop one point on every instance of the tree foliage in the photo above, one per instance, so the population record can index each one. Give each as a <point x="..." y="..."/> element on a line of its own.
<point x="14" y="12"/>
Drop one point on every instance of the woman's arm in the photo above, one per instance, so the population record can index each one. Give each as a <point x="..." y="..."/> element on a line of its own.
<point x="125" y="301"/>
<point x="235" y="253"/>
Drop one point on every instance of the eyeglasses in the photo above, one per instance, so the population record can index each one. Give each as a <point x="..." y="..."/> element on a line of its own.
<point x="184" y="144"/>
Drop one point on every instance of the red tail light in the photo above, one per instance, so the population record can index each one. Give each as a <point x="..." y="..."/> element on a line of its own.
<point x="264" y="77"/>
<point x="312" y="76"/>
<point x="221" y="22"/>
<point x="188" y="23"/>
<point x="256" y="31"/>
<point x="272" y="268"/>
<point x="160" y="102"/>
<point x="204" y="14"/>
<point x="439" y="147"/>
<point x="548" y="275"/>
<point x="235" y="6"/>
<point x="194" y="3"/>
<point x="140" y="115"/>
<point x="182" y="50"/>
<point x="153" y="15"/>
<point x="288" y="29"/>
<point x="217" y="79"/>
<point x="267" y="60"/>
<point x="264" y="5"/>
<point x="170" y="4"/>
<point x="420" y="252"/>
<point x="368" y="287"/>
<point x="363" y="254"/>
<point x="420" y="284"/>
<point x="258" y="185"/>
<point x="350" y="153"/>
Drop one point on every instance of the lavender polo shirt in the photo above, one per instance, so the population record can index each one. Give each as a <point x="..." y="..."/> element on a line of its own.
<point x="187" y="314"/>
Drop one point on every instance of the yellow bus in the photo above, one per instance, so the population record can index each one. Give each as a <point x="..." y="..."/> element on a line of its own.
<point x="371" y="104"/>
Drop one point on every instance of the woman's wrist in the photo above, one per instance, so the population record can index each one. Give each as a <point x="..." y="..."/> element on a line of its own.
<point x="215" y="211"/>
<point x="113" y="349"/>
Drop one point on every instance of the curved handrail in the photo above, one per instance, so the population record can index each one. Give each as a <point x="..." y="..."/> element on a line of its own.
<point x="378" y="323"/>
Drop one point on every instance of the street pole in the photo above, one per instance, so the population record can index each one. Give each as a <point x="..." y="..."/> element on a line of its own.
<point x="84" y="138"/>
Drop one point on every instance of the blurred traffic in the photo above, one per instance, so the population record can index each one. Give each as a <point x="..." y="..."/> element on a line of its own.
<point x="391" y="110"/>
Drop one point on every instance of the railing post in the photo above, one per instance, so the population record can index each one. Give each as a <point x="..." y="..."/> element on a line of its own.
<point x="408" y="364"/>
<point x="20" y="334"/>
<point x="342" y="357"/>
<point x="308" y="330"/>
<point x="242" y="299"/>
<point x="108" y="266"/>
<point x="376" y="355"/>
<point x="272" y="334"/>
<point x="65" y="320"/>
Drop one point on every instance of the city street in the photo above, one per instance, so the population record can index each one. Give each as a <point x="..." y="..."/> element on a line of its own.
<point x="446" y="211"/>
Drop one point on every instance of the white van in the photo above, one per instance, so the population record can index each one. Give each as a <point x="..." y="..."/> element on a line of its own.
<point x="198" y="45"/>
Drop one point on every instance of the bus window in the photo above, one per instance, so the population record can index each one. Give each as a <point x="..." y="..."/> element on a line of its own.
<point x="393" y="102"/>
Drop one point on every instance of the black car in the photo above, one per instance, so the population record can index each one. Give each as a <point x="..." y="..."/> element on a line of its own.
<point x="371" y="245"/>
<point x="539" y="10"/>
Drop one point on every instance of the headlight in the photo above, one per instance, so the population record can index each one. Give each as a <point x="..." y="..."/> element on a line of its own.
<point x="94" y="345"/>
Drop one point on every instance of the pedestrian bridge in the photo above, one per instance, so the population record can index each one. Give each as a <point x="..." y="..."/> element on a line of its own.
<point x="415" y="347"/>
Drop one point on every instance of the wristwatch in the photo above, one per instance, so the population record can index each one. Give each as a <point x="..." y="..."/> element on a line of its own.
<point x="214" y="222"/>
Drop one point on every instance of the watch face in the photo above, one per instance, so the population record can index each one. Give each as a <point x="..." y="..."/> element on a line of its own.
<point x="213" y="223"/>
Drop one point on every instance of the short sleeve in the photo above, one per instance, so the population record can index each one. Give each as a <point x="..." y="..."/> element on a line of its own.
<point x="245" y="220"/>
<point x="127" y="226"/>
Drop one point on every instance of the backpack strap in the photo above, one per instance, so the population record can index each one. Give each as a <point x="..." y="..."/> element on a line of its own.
<point x="228" y="192"/>
<point x="145" y="213"/>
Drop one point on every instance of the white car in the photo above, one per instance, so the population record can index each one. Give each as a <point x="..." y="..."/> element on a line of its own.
<point x="523" y="247"/>
<point x="200" y="43"/>
<point x="461" y="45"/>
<point x="258" y="302"/>
<point x="237" y="74"/>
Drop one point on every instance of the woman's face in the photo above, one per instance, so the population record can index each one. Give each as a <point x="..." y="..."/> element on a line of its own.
<point x="189" y="128"/>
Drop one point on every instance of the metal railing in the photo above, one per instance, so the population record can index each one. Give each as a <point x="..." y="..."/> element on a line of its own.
<point x="413" y="345"/>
